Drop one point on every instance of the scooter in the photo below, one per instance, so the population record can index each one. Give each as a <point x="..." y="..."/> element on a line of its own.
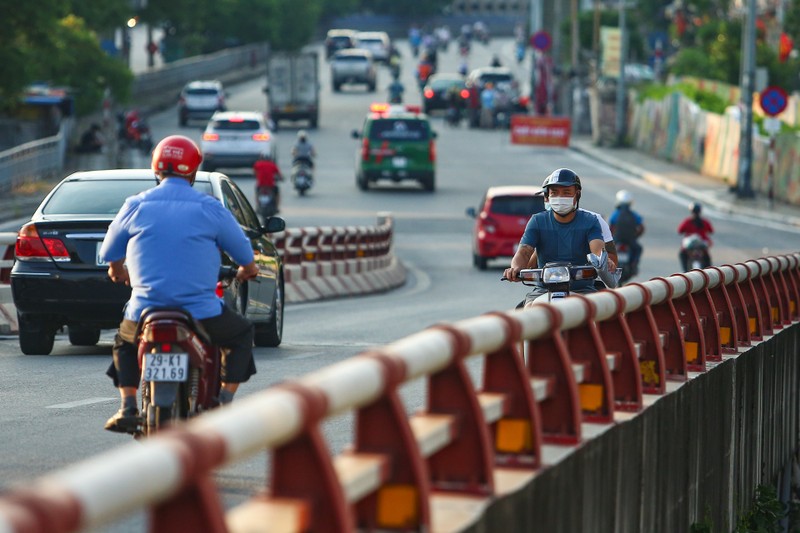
<point x="135" y="132"/>
<point x="180" y="367"/>
<point x="696" y="252"/>
<point x="624" y="262"/>
<point x="267" y="203"/>
<point x="302" y="176"/>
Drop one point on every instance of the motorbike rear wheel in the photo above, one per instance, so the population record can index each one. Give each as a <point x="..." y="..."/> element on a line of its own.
<point x="157" y="418"/>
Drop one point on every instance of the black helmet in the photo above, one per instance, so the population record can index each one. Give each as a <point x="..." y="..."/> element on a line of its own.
<point x="695" y="208"/>
<point x="563" y="177"/>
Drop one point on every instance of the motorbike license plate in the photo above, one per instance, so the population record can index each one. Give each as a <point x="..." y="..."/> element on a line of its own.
<point x="99" y="261"/>
<point x="166" y="367"/>
<point x="399" y="162"/>
<point x="623" y="257"/>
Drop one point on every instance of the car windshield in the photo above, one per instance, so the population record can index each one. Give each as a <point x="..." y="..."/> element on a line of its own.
<point x="496" y="78"/>
<point x="99" y="197"/>
<point x="236" y="125"/>
<point x="517" y="205"/>
<point x="445" y="83"/>
<point x="399" y="130"/>
<point x="201" y="92"/>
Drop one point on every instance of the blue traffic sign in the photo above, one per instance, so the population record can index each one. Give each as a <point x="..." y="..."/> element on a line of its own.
<point x="773" y="100"/>
<point x="541" y="40"/>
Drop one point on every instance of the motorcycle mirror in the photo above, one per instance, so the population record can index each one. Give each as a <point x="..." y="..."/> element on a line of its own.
<point x="471" y="212"/>
<point x="355" y="134"/>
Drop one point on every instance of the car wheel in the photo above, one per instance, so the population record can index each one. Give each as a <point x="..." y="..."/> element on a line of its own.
<point x="336" y="87"/>
<point x="479" y="262"/>
<point x="36" y="335"/>
<point x="372" y="87"/>
<point x="429" y="183"/>
<point x="83" y="336"/>
<point x="362" y="182"/>
<point x="271" y="333"/>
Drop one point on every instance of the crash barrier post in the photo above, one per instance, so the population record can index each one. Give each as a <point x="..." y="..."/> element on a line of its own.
<point x="447" y="466"/>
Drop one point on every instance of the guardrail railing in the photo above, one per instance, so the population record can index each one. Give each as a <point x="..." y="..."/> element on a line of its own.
<point x="586" y="359"/>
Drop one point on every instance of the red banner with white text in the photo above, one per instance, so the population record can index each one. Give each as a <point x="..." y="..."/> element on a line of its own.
<point x="549" y="131"/>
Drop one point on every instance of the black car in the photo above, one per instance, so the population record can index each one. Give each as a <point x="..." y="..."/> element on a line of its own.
<point x="58" y="279"/>
<point x="337" y="40"/>
<point x="436" y="91"/>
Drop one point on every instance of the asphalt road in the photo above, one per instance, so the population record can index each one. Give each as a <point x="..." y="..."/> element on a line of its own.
<point x="53" y="407"/>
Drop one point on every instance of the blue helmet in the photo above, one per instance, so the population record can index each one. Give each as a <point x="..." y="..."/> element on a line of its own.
<point x="563" y="177"/>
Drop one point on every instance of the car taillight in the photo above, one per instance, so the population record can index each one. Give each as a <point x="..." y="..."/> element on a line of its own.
<point x="428" y="93"/>
<point x="464" y="94"/>
<point x="432" y="151"/>
<point x="181" y="101"/>
<point x="31" y="247"/>
<point x="365" y="150"/>
<point x="210" y="136"/>
<point x="489" y="225"/>
<point x="261" y="136"/>
<point x="166" y="332"/>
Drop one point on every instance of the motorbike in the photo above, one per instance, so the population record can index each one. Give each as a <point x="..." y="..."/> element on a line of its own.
<point x="135" y="132"/>
<point x="302" y="176"/>
<point x="695" y="249"/>
<point x="624" y="262"/>
<point x="557" y="278"/>
<point x="267" y="203"/>
<point x="180" y="367"/>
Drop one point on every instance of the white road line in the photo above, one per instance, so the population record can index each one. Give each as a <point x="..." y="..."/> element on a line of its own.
<point x="79" y="403"/>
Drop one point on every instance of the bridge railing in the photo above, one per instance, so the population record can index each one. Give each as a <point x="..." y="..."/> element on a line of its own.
<point x="588" y="364"/>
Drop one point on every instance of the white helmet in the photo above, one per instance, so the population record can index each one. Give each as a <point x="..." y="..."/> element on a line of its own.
<point x="624" y="197"/>
<point x="301" y="135"/>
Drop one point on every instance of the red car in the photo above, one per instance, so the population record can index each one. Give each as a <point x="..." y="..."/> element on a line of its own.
<point x="500" y="221"/>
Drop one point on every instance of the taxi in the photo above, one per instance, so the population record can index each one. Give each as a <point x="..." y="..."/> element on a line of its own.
<point x="397" y="144"/>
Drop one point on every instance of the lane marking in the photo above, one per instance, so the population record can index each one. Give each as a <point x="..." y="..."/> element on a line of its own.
<point x="79" y="403"/>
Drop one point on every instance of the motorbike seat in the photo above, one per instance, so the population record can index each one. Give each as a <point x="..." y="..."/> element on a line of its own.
<point x="172" y="313"/>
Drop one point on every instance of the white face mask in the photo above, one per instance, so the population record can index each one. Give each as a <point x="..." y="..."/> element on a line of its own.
<point x="562" y="205"/>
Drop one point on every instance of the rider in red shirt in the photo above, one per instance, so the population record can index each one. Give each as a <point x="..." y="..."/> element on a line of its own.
<point x="695" y="225"/>
<point x="267" y="175"/>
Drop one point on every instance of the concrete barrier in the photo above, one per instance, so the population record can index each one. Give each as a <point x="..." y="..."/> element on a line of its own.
<point x="558" y="436"/>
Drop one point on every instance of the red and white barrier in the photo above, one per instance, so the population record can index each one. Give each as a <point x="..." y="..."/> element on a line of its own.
<point x="587" y="359"/>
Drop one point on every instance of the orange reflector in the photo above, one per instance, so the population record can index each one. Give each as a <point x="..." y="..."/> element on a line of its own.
<point x="513" y="435"/>
<point x="775" y="315"/>
<point x="752" y="322"/>
<point x="397" y="507"/>
<point x="649" y="374"/>
<point x="591" y="396"/>
<point x="792" y="307"/>
<point x="210" y="136"/>
<point x="360" y="252"/>
<point x="724" y="335"/>
<point x="261" y="136"/>
<point x="309" y="256"/>
<point x="691" y="351"/>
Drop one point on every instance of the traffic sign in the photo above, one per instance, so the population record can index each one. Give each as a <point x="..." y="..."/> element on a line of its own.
<point x="773" y="100"/>
<point x="541" y="40"/>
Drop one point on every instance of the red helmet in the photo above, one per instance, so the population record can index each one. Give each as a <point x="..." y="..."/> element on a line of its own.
<point x="177" y="155"/>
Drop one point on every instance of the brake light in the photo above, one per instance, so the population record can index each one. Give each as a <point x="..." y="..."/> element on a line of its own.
<point x="431" y="151"/>
<point x="211" y="136"/>
<point x="165" y="333"/>
<point x="365" y="150"/>
<point x="379" y="108"/>
<point x="464" y="94"/>
<point x="261" y="136"/>
<point x="428" y="93"/>
<point x="236" y="119"/>
<point x="489" y="225"/>
<point x="31" y="247"/>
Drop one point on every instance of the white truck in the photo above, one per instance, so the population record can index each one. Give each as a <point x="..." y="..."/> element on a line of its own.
<point x="293" y="87"/>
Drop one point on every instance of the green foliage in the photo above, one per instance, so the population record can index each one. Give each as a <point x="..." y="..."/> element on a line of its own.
<point x="765" y="515"/>
<point x="706" y="526"/>
<point x="608" y="17"/>
<point x="101" y="15"/>
<point x="80" y="64"/>
<point x="707" y="101"/>
<point x="299" y="21"/>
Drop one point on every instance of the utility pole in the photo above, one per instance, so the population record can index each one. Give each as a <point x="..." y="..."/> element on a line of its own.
<point x="621" y="107"/>
<point x="536" y="15"/>
<point x="744" y="188"/>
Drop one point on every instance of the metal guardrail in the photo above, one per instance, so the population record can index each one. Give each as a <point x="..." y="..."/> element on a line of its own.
<point x="586" y="359"/>
<point x="34" y="160"/>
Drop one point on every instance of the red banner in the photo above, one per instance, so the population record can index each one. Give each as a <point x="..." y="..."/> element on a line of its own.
<point x="550" y="131"/>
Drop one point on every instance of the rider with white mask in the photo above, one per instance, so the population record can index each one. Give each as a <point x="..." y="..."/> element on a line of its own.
<point x="563" y="233"/>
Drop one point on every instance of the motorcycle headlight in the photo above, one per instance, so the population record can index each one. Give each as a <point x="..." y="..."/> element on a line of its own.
<point x="559" y="274"/>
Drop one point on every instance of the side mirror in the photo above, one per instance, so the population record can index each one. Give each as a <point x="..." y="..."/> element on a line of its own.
<point x="471" y="212"/>
<point x="434" y="134"/>
<point x="274" y="225"/>
<point x="355" y="134"/>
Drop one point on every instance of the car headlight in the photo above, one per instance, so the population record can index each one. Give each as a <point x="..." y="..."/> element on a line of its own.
<point x="558" y="274"/>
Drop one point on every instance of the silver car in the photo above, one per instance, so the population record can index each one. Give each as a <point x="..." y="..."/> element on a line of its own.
<point x="377" y="42"/>
<point x="200" y="100"/>
<point x="236" y="139"/>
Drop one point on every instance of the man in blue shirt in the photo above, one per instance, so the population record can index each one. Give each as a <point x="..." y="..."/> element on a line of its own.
<point x="563" y="233"/>
<point x="165" y="243"/>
